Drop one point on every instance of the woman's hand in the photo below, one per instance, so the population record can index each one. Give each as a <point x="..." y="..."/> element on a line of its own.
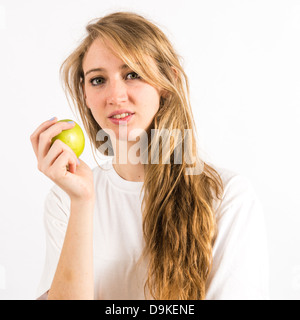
<point x="59" y="163"/>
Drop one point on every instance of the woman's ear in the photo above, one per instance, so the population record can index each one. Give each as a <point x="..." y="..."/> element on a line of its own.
<point x="163" y="93"/>
<point x="175" y="72"/>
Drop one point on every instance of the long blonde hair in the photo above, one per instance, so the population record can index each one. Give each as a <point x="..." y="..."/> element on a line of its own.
<point x="179" y="224"/>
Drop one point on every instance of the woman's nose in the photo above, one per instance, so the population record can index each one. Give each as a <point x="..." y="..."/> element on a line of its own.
<point x="117" y="92"/>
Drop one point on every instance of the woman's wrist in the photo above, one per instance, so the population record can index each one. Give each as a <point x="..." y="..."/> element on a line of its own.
<point x="83" y="198"/>
<point x="85" y="204"/>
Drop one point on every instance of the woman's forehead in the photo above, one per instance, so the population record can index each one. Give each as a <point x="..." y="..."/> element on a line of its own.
<point x="101" y="52"/>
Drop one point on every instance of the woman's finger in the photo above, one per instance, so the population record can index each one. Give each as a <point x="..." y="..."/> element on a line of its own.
<point x="45" y="138"/>
<point x="56" y="149"/>
<point x="34" y="138"/>
<point x="59" y="168"/>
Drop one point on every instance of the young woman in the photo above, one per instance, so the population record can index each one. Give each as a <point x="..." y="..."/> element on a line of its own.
<point x="147" y="229"/>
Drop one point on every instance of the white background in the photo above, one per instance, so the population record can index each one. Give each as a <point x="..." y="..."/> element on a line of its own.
<point x="242" y="59"/>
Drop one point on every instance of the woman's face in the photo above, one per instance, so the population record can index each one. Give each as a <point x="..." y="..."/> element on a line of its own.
<point x="112" y="88"/>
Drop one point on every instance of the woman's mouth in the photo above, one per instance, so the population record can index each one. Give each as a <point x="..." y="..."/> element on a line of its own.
<point x="121" y="118"/>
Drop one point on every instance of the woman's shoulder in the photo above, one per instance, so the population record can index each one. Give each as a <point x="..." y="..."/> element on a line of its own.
<point x="238" y="191"/>
<point x="57" y="203"/>
<point x="229" y="176"/>
<point x="240" y="264"/>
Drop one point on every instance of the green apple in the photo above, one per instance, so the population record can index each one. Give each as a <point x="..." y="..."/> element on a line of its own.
<point x="73" y="137"/>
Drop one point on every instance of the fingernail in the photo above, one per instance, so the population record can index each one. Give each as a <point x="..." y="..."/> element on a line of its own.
<point x="52" y="119"/>
<point x="71" y="122"/>
<point x="78" y="161"/>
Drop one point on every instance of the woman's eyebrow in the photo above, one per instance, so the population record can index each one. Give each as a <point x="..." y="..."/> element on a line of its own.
<point x="122" y="67"/>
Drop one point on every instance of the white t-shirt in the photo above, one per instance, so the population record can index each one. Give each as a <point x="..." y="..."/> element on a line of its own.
<point x="240" y="257"/>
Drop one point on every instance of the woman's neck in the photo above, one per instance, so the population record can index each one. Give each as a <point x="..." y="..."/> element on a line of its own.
<point x="129" y="171"/>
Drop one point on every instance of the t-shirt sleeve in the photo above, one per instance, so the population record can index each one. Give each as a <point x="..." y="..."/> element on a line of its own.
<point x="240" y="255"/>
<point x="56" y="216"/>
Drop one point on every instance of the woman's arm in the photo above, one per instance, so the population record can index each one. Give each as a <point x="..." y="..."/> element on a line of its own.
<point x="74" y="276"/>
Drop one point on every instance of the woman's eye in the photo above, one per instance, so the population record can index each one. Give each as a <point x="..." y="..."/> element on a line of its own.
<point x="97" y="81"/>
<point x="133" y="75"/>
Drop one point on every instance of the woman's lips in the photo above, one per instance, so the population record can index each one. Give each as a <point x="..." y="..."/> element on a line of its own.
<point x="125" y="120"/>
<point x="120" y="111"/>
